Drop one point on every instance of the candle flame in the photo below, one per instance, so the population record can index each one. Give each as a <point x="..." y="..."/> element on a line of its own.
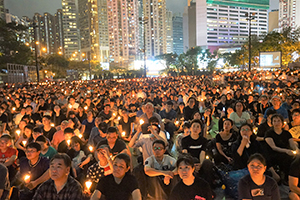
<point x="142" y="122"/>
<point x="88" y="184"/>
<point x="24" y="143"/>
<point x="91" y="148"/>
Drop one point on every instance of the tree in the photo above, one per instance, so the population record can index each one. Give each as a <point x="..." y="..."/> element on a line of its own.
<point x="57" y="64"/>
<point x="13" y="50"/>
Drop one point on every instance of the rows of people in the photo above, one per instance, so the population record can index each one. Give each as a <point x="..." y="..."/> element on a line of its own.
<point x="154" y="138"/>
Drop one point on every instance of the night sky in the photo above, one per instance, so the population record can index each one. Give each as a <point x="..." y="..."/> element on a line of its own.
<point x="29" y="7"/>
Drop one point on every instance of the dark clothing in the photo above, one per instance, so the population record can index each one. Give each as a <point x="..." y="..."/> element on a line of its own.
<point x="240" y="162"/>
<point x="64" y="148"/>
<point x="36" y="170"/>
<point x="194" y="147"/>
<point x="263" y="129"/>
<point x="199" y="188"/>
<point x="249" y="190"/>
<point x="126" y="127"/>
<point x="189" y="112"/>
<point x="4" y="183"/>
<point x="82" y="117"/>
<point x="49" y="134"/>
<point x="280" y="140"/>
<point x="226" y="147"/>
<point x="170" y="115"/>
<point x="88" y="128"/>
<point x="295" y="170"/>
<point x="58" y="119"/>
<point x="71" y="191"/>
<point x="122" y="191"/>
<point x="119" y="146"/>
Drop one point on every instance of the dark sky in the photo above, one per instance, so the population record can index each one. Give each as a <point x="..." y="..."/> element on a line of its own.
<point x="29" y="7"/>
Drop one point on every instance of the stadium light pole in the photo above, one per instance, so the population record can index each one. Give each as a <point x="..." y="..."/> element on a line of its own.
<point x="249" y="17"/>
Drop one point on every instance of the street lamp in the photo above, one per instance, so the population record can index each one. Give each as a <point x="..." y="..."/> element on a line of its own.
<point x="89" y="59"/>
<point x="249" y="17"/>
<point x="36" y="52"/>
<point x="143" y="21"/>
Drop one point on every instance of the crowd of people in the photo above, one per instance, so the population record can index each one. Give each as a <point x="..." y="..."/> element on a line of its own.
<point x="151" y="138"/>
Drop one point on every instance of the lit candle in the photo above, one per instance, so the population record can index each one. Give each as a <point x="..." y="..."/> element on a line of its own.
<point x="14" y="108"/>
<point x="207" y="157"/>
<point x="123" y="134"/>
<point x="52" y="124"/>
<point x="119" y="118"/>
<point x="68" y="142"/>
<point x="24" y="142"/>
<point x="27" y="178"/>
<point x="88" y="184"/>
<point x="70" y="106"/>
<point x="114" y="114"/>
<point x="18" y="132"/>
<point x="177" y="123"/>
<point x="80" y="135"/>
<point x="91" y="148"/>
<point x="85" y="107"/>
<point x="294" y="152"/>
<point x="142" y="121"/>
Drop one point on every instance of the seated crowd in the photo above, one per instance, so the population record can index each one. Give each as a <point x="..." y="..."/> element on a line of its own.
<point x="154" y="138"/>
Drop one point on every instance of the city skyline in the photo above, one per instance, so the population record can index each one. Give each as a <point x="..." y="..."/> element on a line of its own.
<point x="20" y="7"/>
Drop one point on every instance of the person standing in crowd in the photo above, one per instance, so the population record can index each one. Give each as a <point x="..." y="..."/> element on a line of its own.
<point x="257" y="185"/>
<point x="120" y="184"/>
<point x="60" y="185"/>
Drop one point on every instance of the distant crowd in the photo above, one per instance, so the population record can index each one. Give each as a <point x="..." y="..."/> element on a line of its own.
<point x="176" y="138"/>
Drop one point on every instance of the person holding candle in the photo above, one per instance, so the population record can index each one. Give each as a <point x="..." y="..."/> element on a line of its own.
<point x="34" y="166"/>
<point x="60" y="185"/>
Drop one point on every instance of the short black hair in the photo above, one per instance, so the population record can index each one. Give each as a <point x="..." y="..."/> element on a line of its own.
<point x="62" y="156"/>
<point x="68" y="130"/>
<point x="34" y="145"/>
<point x="41" y="138"/>
<point x="270" y="111"/>
<point x="153" y="119"/>
<point x="47" y="117"/>
<point x="159" y="142"/>
<point x="277" y="116"/>
<point x="37" y="130"/>
<point x="259" y="157"/>
<point x="112" y="129"/>
<point x="187" y="159"/>
<point x="125" y="157"/>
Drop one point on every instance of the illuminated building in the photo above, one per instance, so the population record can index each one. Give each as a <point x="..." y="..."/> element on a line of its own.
<point x="156" y="36"/>
<point x="92" y="16"/>
<point x="123" y="29"/>
<point x="216" y="23"/>
<point x="289" y="13"/>
<point x="177" y="34"/>
<point x="2" y="10"/>
<point x="70" y="29"/>
<point x="169" y="32"/>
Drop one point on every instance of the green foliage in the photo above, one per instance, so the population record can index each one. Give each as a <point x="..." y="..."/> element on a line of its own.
<point x="11" y="49"/>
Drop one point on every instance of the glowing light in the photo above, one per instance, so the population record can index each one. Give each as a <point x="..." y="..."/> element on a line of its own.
<point x="119" y="118"/>
<point x="70" y="106"/>
<point x="85" y="107"/>
<point x="80" y="136"/>
<point x="123" y="134"/>
<point x="18" y="132"/>
<point x="207" y="157"/>
<point x="27" y="178"/>
<point x="14" y="108"/>
<point x="88" y="184"/>
<point x="24" y="142"/>
<point x="91" y="148"/>
<point x="114" y="114"/>
<point x="294" y="152"/>
<point x="142" y="121"/>
<point x="177" y="123"/>
<point x="52" y="124"/>
<point x="68" y="142"/>
<point x="255" y="130"/>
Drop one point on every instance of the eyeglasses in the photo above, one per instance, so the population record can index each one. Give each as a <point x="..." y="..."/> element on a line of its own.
<point x="245" y="129"/>
<point x="27" y="151"/>
<point x="157" y="148"/>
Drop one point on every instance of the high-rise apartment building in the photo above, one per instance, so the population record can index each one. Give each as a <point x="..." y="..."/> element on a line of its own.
<point x="289" y="13"/>
<point x="59" y="32"/>
<point x="156" y="36"/>
<point x="123" y="29"/>
<point x="70" y="29"/>
<point x="169" y="31"/>
<point x="2" y="10"/>
<point x="93" y="28"/>
<point x="177" y="33"/>
<point x="273" y="20"/>
<point x="216" y="23"/>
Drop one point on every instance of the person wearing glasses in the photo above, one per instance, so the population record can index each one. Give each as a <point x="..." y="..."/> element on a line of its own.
<point x="120" y="184"/>
<point x="160" y="169"/>
<point x="34" y="170"/>
<point x="257" y="185"/>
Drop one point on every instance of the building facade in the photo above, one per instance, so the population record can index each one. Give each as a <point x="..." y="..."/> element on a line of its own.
<point x="70" y="29"/>
<point x="155" y="27"/>
<point x="177" y="33"/>
<point x="223" y="23"/>
<point x="289" y="13"/>
<point x="169" y="32"/>
<point x="2" y="10"/>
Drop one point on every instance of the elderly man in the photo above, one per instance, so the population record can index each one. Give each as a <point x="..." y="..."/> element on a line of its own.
<point x="148" y="113"/>
<point x="60" y="185"/>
